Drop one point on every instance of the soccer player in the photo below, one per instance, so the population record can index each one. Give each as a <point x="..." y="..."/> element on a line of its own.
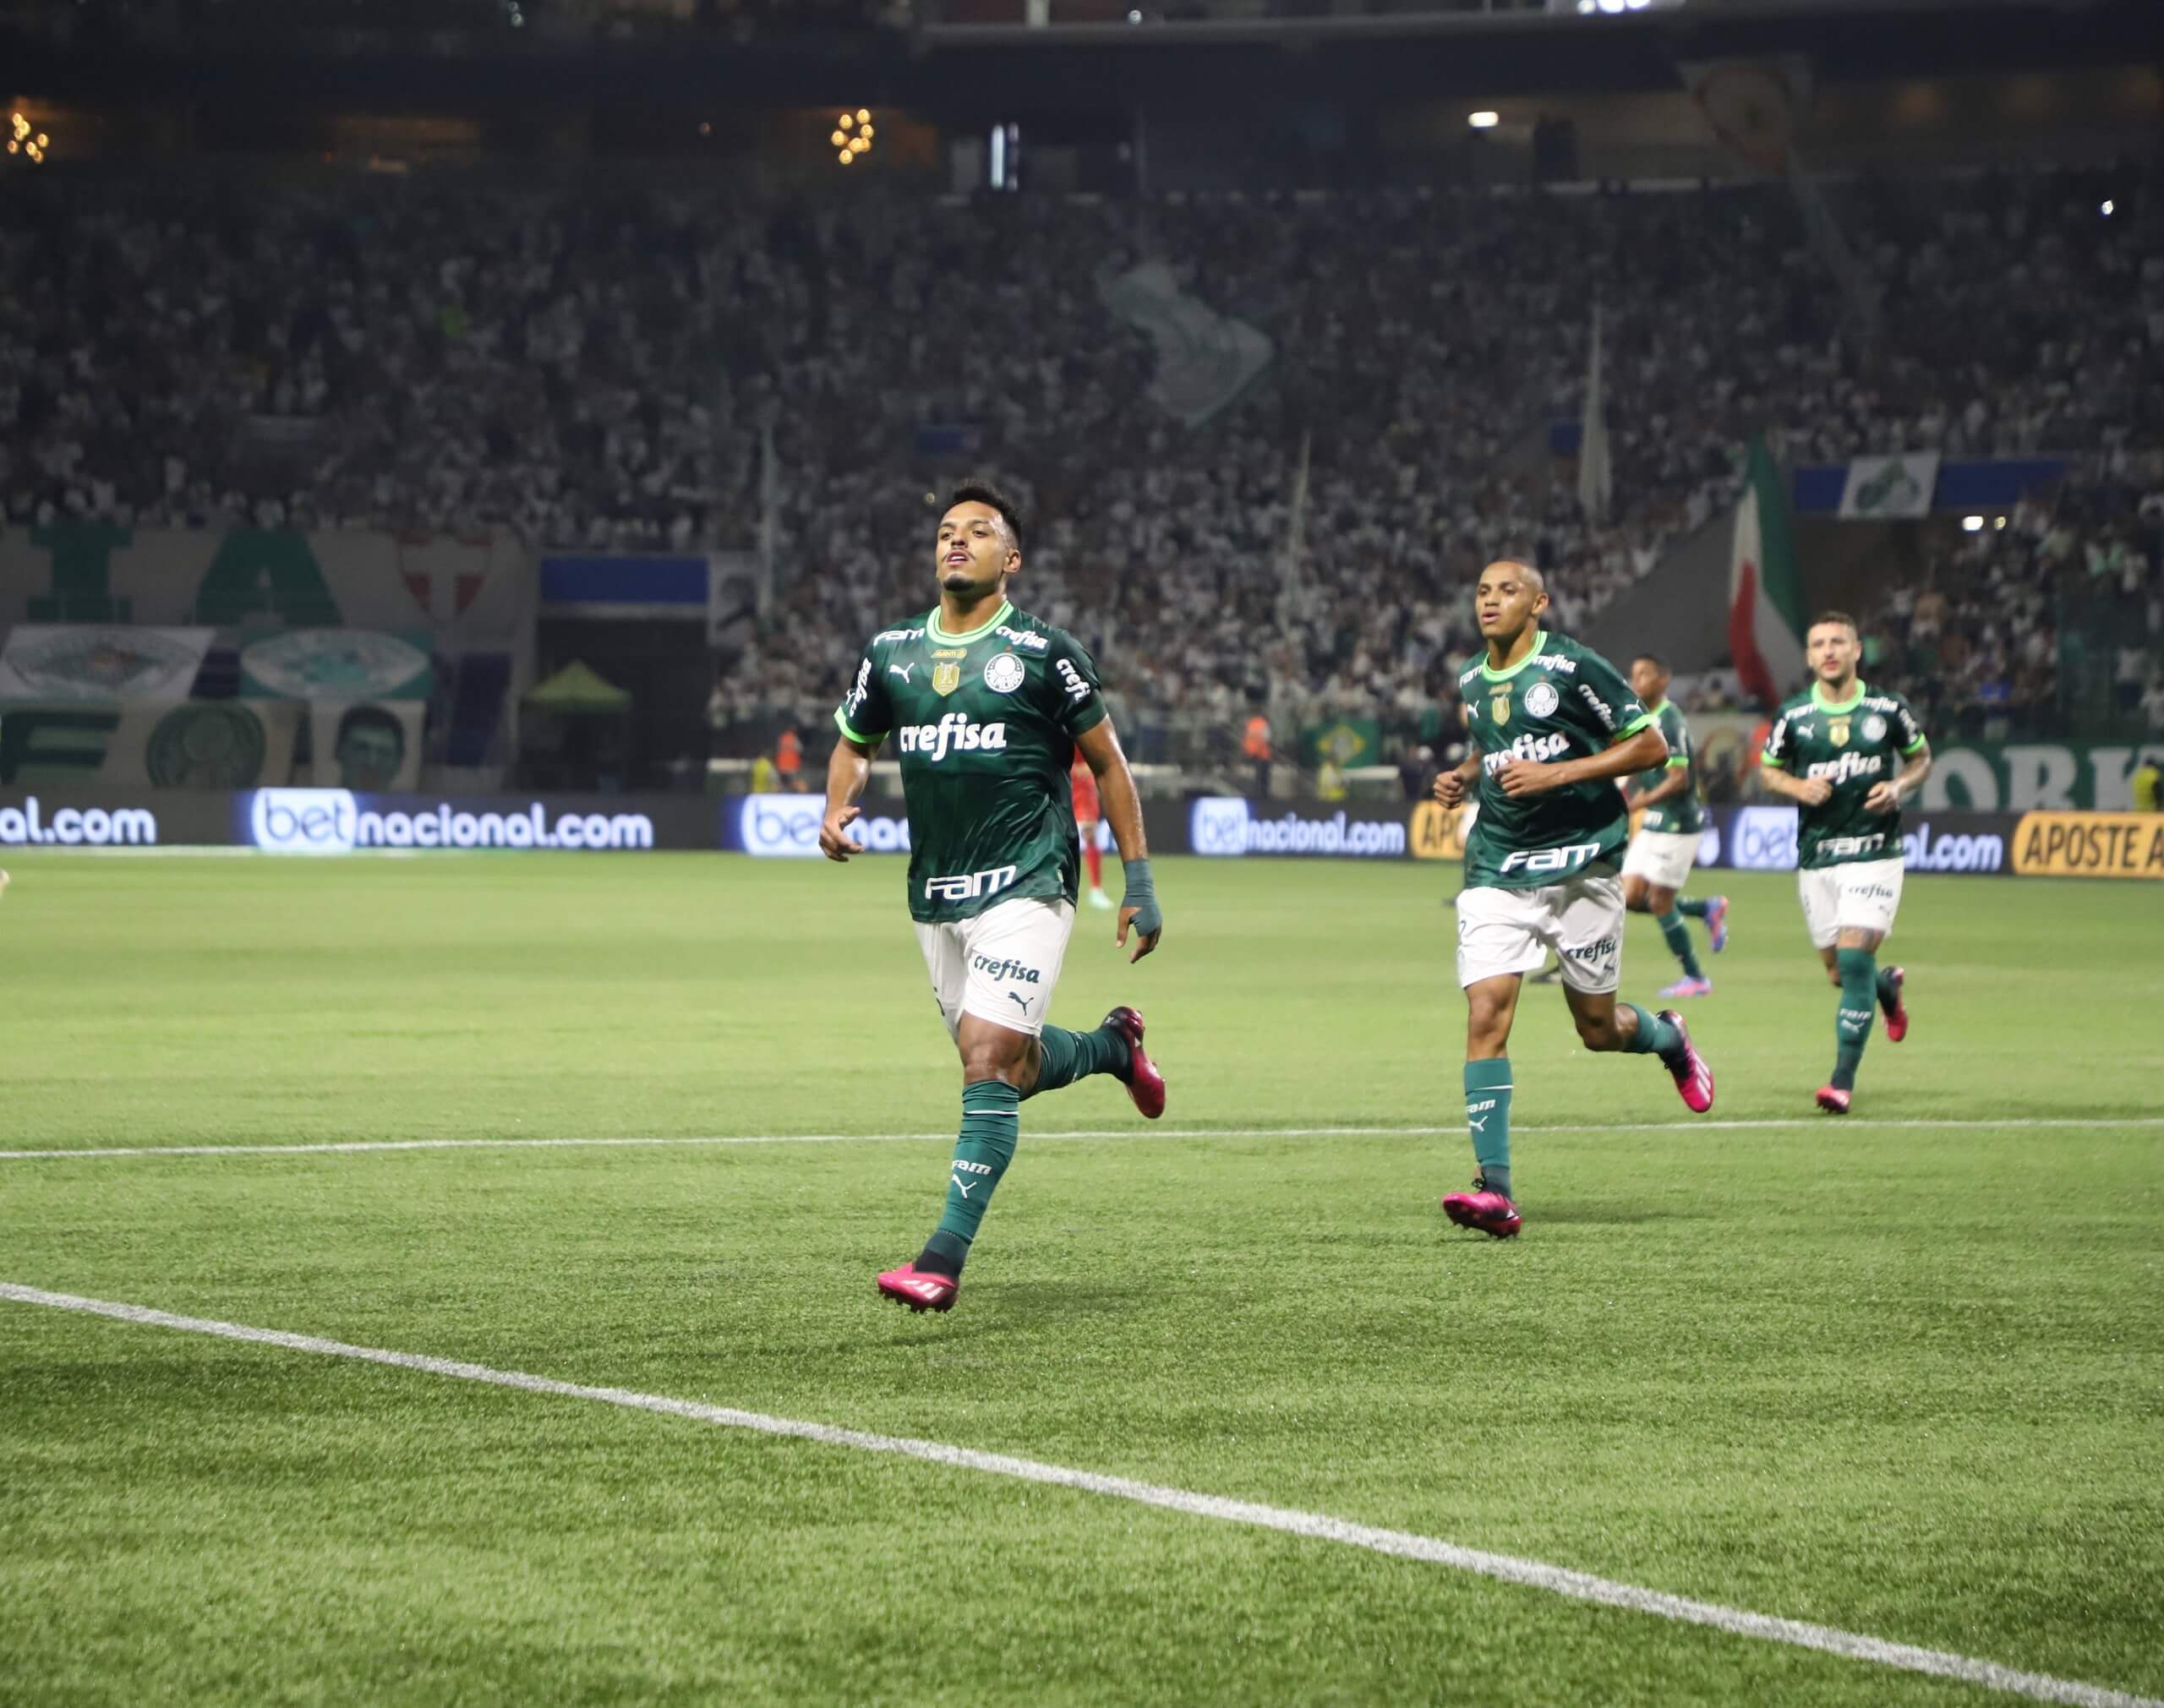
<point x="1553" y="726"/>
<point x="1849" y="758"/>
<point x="1659" y="862"/>
<point x="1082" y="782"/>
<point x="987" y="705"/>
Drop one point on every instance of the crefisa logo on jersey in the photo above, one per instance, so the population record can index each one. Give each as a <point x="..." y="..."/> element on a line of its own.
<point x="1541" y="700"/>
<point x="1002" y="673"/>
<point x="956" y="733"/>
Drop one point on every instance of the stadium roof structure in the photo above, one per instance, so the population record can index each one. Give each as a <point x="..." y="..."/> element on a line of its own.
<point x="1204" y="65"/>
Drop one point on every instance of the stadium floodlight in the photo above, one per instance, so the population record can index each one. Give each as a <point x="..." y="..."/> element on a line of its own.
<point x="1482" y="120"/>
<point x="1972" y="525"/>
<point x="2108" y="209"/>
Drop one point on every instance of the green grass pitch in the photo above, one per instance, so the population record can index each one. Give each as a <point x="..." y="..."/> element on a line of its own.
<point x="1905" y="1380"/>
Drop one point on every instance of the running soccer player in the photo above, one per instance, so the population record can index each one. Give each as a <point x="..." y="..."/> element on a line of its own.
<point x="987" y="705"/>
<point x="1082" y="782"/>
<point x="1661" y="855"/>
<point x="1553" y="727"/>
<point x="1849" y="758"/>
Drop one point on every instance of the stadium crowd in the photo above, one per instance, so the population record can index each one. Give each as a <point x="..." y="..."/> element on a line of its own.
<point x="599" y="368"/>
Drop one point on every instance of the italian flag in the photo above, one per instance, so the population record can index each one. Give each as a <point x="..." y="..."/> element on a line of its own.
<point x="1765" y="592"/>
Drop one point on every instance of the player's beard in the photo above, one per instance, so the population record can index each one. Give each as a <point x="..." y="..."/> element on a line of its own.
<point x="961" y="582"/>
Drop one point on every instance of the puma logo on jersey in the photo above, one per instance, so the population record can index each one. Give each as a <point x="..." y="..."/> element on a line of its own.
<point x="900" y="670"/>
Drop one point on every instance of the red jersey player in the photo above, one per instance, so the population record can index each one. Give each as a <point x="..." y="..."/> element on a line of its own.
<point x="1084" y="782"/>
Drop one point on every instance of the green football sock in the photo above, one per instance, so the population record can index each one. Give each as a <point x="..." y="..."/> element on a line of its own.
<point x="1655" y="1035"/>
<point x="1073" y="1056"/>
<point x="1678" y="935"/>
<point x="1859" y="970"/>
<point x="1691" y="910"/>
<point x="1488" y="1117"/>
<point x="990" y="1120"/>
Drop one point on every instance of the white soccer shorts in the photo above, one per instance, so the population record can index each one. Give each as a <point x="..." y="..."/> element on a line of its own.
<point x="1503" y="931"/>
<point x="1000" y="966"/>
<point x="1858" y="896"/>
<point x="1663" y="858"/>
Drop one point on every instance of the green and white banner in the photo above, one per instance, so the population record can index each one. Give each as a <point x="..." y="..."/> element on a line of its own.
<point x="188" y="744"/>
<point x="1890" y="488"/>
<point x="336" y="664"/>
<point x="2035" y="777"/>
<point x="467" y="592"/>
<point x="95" y="663"/>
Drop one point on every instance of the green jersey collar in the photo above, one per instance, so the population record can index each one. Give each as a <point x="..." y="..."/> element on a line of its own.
<point x="932" y="626"/>
<point x="1819" y="700"/>
<point x="1539" y="644"/>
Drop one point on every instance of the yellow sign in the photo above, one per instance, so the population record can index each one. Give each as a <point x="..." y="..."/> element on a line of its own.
<point x="1436" y="831"/>
<point x="2089" y="845"/>
<point x="945" y="678"/>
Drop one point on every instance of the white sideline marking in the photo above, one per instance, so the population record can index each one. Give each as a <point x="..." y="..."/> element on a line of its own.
<point x="1317" y="1526"/>
<point x="350" y="1147"/>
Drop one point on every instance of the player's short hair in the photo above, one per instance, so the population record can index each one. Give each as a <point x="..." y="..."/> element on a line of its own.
<point x="984" y="492"/>
<point x="1655" y="659"/>
<point x="1841" y="617"/>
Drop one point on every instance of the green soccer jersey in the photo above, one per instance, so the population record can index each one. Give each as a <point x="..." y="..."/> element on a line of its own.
<point x="1855" y="746"/>
<point x="1680" y="815"/>
<point x="1561" y="701"/>
<point x="985" y="724"/>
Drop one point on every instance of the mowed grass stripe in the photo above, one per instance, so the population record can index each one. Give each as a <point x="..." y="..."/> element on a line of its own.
<point x="364" y="1146"/>
<point x="1315" y="1526"/>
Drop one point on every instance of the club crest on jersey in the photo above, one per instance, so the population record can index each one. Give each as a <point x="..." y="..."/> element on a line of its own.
<point x="1499" y="708"/>
<point x="1002" y="673"/>
<point x="945" y="678"/>
<point x="1874" y="728"/>
<point x="1837" y="731"/>
<point x="1541" y="700"/>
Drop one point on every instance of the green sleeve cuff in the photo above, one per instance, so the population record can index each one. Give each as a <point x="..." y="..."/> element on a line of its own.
<point x="1644" y="720"/>
<point x="842" y="724"/>
<point x="1921" y="741"/>
<point x="1768" y="758"/>
<point x="1680" y="758"/>
<point x="1091" y="717"/>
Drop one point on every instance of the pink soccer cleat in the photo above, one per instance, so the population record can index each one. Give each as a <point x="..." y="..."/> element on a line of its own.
<point x="1694" y="1078"/>
<point x="1689" y="987"/>
<point x="1144" y="1084"/>
<point x="1485" y="1212"/>
<point x="1716" y="923"/>
<point x="1833" y="1099"/>
<point x="920" y="1291"/>
<point x="1897" y="1016"/>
